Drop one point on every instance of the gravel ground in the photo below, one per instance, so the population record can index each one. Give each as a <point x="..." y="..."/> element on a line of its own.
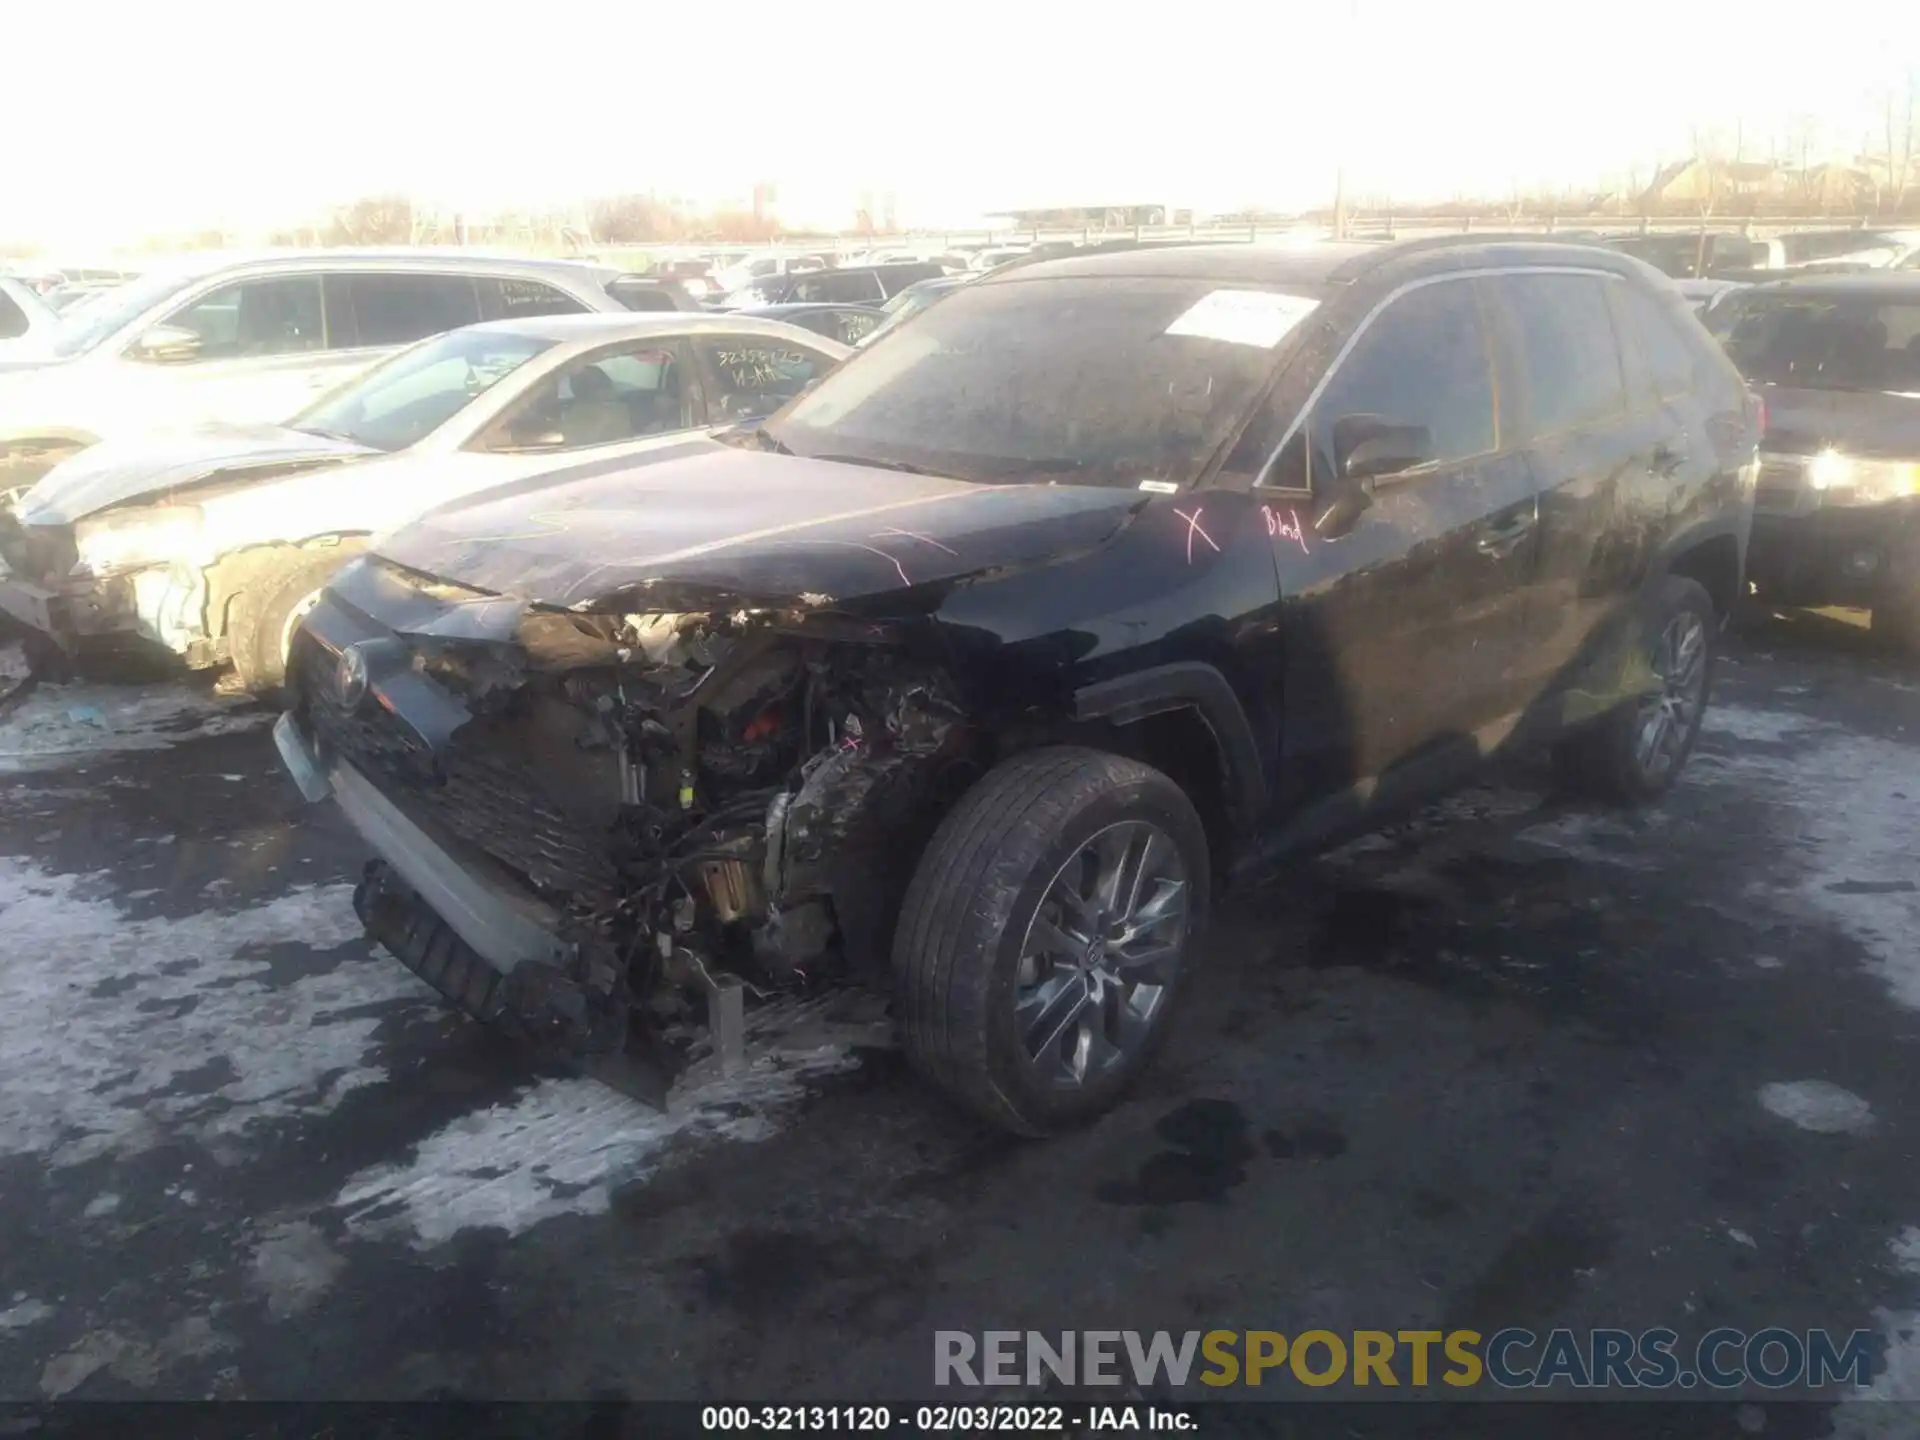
<point x="1508" y="1064"/>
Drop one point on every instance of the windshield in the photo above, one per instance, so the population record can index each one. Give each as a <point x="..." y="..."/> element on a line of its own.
<point x="84" y="327"/>
<point x="1830" y="245"/>
<point x="1109" y="381"/>
<point x="1822" y="342"/>
<point x="401" y="402"/>
<point x="914" y="298"/>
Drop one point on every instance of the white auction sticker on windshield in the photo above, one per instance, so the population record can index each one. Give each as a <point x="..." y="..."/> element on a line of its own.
<point x="1244" y="317"/>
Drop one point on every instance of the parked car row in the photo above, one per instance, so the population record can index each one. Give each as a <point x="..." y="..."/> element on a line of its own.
<point x="1732" y="255"/>
<point x="212" y="542"/>
<point x="668" y="659"/>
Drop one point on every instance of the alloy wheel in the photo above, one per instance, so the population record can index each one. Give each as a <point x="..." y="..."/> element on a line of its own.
<point x="1101" y="954"/>
<point x="1670" y="712"/>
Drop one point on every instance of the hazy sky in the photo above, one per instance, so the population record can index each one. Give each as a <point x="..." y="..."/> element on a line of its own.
<point x="201" y="113"/>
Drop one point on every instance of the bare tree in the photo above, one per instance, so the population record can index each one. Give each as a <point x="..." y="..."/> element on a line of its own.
<point x="630" y="220"/>
<point x="1900" y="138"/>
<point x="1708" y="190"/>
<point x="372" y="220"/>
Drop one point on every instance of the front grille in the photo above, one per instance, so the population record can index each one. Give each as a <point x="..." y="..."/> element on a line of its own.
<point x="472" y="790"/>
<point x="1782" y="485"/>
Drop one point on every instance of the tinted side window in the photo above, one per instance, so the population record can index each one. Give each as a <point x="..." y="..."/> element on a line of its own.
<point x="512" y="299"/>
<point x="753" y="377"/>
<point x="853" y="326"/>
<point x="837" y="287"/>
<point x="603" y="400"/>
<point x="13" y="320"/>
<point x="1425" y="360"/>
<point x="1567" y="353"/>
<point x="1655" y="349"/>
<point x="397" y="309"/>
<point x="253" y="319"/>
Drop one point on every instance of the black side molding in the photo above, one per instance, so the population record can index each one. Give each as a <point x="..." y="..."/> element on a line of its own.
<point x="1188" y="685"/>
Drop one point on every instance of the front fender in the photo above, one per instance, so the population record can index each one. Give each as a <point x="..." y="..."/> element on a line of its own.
<point x="1198" y="686"/>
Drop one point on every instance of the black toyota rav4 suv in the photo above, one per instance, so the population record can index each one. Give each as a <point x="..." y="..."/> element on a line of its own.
<point x="975" y="671"/>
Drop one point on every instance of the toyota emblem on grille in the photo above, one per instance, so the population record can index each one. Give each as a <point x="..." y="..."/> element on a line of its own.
<point x="350" y="676"/>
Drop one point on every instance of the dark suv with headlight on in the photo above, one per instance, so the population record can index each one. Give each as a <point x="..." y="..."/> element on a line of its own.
<point x="1837" y="361"/>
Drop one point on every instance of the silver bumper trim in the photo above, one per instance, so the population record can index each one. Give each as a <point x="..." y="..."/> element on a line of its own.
<point x="505" y="928"/>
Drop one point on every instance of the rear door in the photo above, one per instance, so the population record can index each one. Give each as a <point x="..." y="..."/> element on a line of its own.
<point x="1594" y="451"/>
<point x="1408" y="651"/>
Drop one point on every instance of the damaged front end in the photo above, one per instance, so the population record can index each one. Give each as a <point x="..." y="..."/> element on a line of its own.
<point x="616" y="833"/>
<point x="125" y="573"/>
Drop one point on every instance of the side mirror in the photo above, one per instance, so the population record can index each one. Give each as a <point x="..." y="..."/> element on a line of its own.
<point x="167" y="345"/>
<point x="1367" y="448"/>
<point x="1350" y="500"/>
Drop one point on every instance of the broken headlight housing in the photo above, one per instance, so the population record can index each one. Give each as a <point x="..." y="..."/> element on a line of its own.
<point x="134" y="539"/>
<point x="1845" y="480"/>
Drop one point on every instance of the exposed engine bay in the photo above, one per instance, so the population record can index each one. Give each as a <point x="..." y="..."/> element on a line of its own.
<point x="701" y="798"/>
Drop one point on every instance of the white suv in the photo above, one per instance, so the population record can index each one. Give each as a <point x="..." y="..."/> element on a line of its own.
<point x="243" y="341"/>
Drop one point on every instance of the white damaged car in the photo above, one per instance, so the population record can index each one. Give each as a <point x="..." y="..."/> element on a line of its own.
<point x="212" y="543"/>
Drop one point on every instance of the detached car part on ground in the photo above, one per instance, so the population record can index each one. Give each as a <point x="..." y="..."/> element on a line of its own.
<point x="211" y="543"/>
<point x="1837" y="360"/>
<point x="969" y="675"/>
<point x="220" y="339"/>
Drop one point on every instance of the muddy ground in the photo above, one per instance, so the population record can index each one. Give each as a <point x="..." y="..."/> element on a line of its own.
<point x="1509" y="1064"/>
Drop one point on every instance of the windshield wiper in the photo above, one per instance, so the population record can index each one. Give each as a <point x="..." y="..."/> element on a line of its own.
<point x="759" y="437"/>
<point x="325" y="434"/>
<point x="901" y="465"/>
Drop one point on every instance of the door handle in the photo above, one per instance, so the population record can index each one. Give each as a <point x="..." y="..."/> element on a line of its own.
<point x="1501" y="539"/>
<point x="1667" y="461"/>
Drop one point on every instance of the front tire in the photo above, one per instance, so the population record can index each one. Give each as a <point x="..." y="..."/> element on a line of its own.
<point x="1636" y="753"/>
<point x="1047" y="935"/>
<point x="265" y="618"/>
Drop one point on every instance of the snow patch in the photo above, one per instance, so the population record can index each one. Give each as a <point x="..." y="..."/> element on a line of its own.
<point x="115" y="1031"/>
<point x="1584" y="835"/>
<point x="293" y="1265"/>
<point x="1906" y="1250"/>
<point x="562" y="1147"/>
<point x="131" y="1361"/>
<point x="27" y="1312"/>
<point x="1741" y="722"/>
<point x="1818" y="1106"/>
<point x="57" y="725"/>
<point x="1847" y="818"/>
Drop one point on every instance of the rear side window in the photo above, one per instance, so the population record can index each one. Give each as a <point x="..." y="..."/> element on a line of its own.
<point x="13" y="320"/>
<point x="636" y="293"/>
<point x="514" y="299"/>
<point x="1658" y="356"/>
<point x="1568" y="360"/>
<point x="751" y="377"/>
<point x="1423" y="361"/>
<point x="365" y="310"/>
<point x="838" y="287"/>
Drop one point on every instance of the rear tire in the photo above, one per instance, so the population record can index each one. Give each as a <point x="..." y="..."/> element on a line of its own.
<point x="1048" y="934"/>
<point x="265" y="618"/>
<point x="1635" y="753"/>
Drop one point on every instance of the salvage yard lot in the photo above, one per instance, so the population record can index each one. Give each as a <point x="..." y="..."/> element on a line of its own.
<point x="1509" y="1064"/>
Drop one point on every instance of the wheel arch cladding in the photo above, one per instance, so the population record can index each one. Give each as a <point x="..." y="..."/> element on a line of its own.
<point x="1188" y="698"/>
<point x="1712" y="561"/>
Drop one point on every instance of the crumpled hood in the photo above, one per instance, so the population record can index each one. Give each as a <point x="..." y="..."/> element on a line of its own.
<point x="746" y="523"/>
<point x="1870" y="424"/>
<point x="146" y="467"/>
